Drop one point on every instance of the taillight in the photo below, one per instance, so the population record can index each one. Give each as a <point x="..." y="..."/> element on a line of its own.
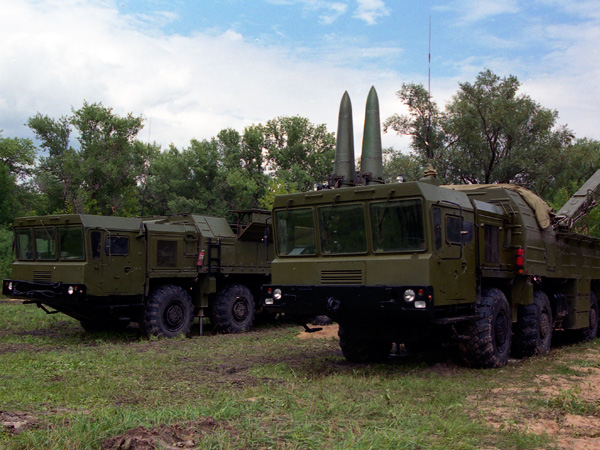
<point x="520" y="260"/>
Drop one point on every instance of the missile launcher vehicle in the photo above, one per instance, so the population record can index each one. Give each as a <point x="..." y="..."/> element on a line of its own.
<point x="488" y="268"/>
<point x="160" y="272"/>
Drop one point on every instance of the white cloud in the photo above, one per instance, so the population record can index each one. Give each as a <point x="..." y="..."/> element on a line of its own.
<point x="371" y="10"/>
<point x="57" y="54"/>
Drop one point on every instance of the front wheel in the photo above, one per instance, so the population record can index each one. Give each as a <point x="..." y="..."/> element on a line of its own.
<point x="233" y="310"/>
<point x="359" y="348"/>
<point x="168" y="313"/>
<point x="489" y="336"/>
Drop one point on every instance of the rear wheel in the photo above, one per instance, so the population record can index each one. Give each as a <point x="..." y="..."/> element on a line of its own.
<point x="359" y="348"/>
<point x="233" y="310"/>
<point x="168" y="313"/>
<point x="533" y="333"/>
<point x="489" y="336"/>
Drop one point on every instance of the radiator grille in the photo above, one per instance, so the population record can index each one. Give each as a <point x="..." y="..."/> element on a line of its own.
<point x="342" y="276"/>
<point x="42" y="275"/>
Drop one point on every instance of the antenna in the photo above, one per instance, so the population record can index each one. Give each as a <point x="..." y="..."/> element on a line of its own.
<point x="429" y="149"/>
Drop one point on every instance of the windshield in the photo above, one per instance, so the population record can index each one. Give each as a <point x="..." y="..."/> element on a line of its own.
<point x="397" y="226"/>
<point x="342" y="229"/>
<point x="295" y="232"/>
<point x="49" y="243"/>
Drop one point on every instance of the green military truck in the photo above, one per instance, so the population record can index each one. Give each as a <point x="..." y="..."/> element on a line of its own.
<point x="488" y="266"/>
<point x="160" y="272"/>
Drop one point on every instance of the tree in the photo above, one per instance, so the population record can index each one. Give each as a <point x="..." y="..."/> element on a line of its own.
<point x="493" y="134"/>
<point x="488" y="133"/>
<point x="99" y="176"/>
<point x="299" y="152"/>
<point x="17" y="155"/>
<point x="17" y="158"/>
<point x="422" y="123"/>
<point x="396" y="164"/>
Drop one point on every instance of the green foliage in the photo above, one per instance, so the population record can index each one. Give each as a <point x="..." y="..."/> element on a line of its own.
<point x="6" y="254"/>
<point x="488" y="133"/>
<point x="396" y="164"/>
<point x="101" y="175"/>
<point x="299" y="152"/>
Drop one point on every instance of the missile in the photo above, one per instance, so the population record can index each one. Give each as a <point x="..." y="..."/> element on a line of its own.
<point x="343" y="166"/>
<point x="371" y="163"/>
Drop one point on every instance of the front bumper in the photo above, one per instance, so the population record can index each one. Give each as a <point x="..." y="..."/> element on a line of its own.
<point x="43" y="291"/>
<point x="387" y="302"/>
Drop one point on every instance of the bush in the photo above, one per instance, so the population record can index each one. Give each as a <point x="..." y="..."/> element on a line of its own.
<point x="6" y="254"/>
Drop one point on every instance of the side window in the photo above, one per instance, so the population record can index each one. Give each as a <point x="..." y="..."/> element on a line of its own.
<point x="166" y="253"/>
<point x="458" y="231"/>
<point x="24" y="244"/>
<point x="437" y="228"/>
<point x="116" y="245"/>
<point x="492" y="244"/>
<point x="96" y="244"/>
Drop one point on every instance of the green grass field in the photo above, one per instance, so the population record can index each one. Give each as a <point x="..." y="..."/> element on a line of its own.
<point x="63" y="388"/>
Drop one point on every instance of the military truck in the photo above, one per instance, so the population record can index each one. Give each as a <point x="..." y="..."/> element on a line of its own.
<point x="160" y="272"/>
<point x="489" y="268"/>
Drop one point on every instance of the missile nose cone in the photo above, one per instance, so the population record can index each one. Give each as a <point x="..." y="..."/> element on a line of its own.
<point x="343" y="169"/>
<point x="371" y="161"/>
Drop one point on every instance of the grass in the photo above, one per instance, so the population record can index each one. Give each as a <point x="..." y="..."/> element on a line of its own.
<point x="258" y="390"/>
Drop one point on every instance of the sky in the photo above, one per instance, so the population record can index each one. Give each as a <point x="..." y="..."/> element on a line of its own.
<point x="191" y="68"/>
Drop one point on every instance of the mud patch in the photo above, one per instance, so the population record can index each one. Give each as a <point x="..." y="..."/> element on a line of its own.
<point x="18" y="422"/>
<point x="187" y="435"/>
<point x="328" y="332"/>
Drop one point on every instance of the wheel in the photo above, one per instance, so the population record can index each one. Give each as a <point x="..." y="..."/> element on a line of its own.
<point x="533" y="333"/>
<point x="589" y="333"/>
<point x="361" y="349"/>
<point x="233" y="310"/>
<point x="169" y="312"/>
<point x="489" y="336"/>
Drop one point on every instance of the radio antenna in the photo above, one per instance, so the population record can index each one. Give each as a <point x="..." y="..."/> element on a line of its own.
<point x="429" y="149"/>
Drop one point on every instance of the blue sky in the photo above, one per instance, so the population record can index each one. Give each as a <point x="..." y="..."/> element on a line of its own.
<point x="192" y="67"/>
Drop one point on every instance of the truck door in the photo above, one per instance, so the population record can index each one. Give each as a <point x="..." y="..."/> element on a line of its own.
<point x="454" y="247"/>
<point x="118" y="261"/>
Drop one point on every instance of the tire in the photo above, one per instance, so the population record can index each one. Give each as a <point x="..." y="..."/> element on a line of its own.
<point x="533" y="332"/>
<point x="169" y="312"/>
<point x="589" y="333"/>
<point x="361" y="349"/>
<point x="489" y="336"/>
<point x="233" y="311"/>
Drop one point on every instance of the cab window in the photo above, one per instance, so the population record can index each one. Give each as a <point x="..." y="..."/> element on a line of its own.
<point x="342" y="229"/>
<point x="397" y="226"/>
<point x="295" y="232"/>
<point x="116" y="245"/>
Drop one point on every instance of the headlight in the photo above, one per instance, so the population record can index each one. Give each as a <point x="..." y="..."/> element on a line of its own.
<point x="277" y="294"/>
<point x="70" y="290"/>
<point x="10" y="286"/>
<point x="409" y="295"/>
